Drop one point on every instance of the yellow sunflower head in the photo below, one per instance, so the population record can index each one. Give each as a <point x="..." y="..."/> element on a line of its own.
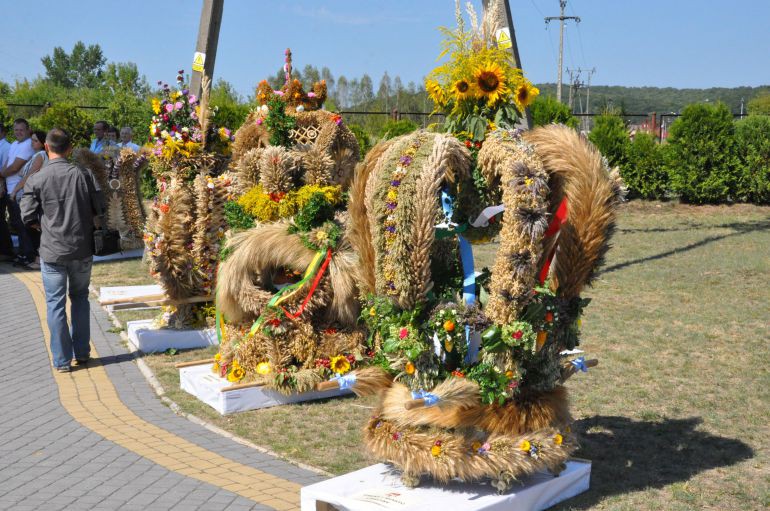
<point x="339" y="364"/>
<point x="489" y="80"/>
<point x="462" y="89"/>
<point x="435" y="92"/>
<point x="236" y="374"/>
<point x="525" y="94"/>
<point x="263" y="368"/>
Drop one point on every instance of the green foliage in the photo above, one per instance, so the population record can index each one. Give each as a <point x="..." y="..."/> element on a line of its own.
<point x="66" y="116"/>
<point x="236" y="217"/>
<point x="83" y="67"/>
<point x="644" y="173"/>
<point x="701" y="159"/>
<point x="364" y="142"/>
<point x="126" y="109"/>
<point x="760" y="105"/>
<point x="148" y="185"/>
<point x="493" y="384"/>
<point x="752" y="136"/>
<point x="393" y="129"/>
<point x="546" y="110"/>
<point x="5" y="119"/>
<point x="279" y="123"/>
<point x="315" y="212"/>
<point x="229" y="109"/>
<point x="611" y="138"/>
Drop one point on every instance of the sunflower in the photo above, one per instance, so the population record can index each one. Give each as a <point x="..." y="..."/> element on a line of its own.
<point x="489" y="79"/>
<point x="525" y="94"/>
<point x="263" y="368"/>
<point x="156" y="105"/>
<point x="435" y="92"/>
<point x="462" y="89"/>
<point x="339" y="364"/>
<point x="236" y="374"/>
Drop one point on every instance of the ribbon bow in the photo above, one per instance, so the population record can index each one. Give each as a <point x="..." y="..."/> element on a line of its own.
<point x="580" y="364"/>
<point x="427" y="397"/>
<point x="345" y="382"/>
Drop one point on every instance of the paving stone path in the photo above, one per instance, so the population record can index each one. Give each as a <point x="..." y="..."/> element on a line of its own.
<point x="99" y="438"/>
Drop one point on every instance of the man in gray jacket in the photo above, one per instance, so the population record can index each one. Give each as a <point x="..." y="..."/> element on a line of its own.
<point x="62" y="200"/>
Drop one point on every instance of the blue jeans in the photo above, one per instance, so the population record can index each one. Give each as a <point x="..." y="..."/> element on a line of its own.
<point x="65" y="341"/>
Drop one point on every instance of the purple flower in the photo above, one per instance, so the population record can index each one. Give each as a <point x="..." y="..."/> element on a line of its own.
<point x="395" y="182"/>
<point x="406" y="160"/>
<point x="278" y="92"/>
<point x="193" y="99"/>
<point x="390" y="228"/>
<point x="259" y="121"/>
<point x="160" y="82"/>
<point x="391" y="205"/>
<point x="185" y="92"/>
<point x="311" y="94"/>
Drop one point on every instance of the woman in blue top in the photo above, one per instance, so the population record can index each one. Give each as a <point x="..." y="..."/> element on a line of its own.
<point x="30" y="238"/>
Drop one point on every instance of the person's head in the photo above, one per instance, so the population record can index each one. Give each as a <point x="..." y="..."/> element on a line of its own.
<point x="112" y="134"/>
<point x="38" y="140"/>
<point x="100" y="129"/>
<point x="126" y="134"/>
<point x="21" y="129"/>
<point x="58" y="143"/>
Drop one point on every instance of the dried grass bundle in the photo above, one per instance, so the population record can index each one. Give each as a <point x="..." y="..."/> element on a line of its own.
<point x="276" y="170"/>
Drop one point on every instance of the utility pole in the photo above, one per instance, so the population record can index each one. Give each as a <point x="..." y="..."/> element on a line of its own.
<point x="574" y="85"/>
<point x="562" y="18"/>
<point x="506" y="25"/>
<point x="588" y="99"/>
<point x="206" y="47"/>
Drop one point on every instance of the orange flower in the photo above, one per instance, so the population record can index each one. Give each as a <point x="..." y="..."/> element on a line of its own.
<point x="409" y="368"/>
<point x="549" y="316"/>
<point x="449" y="325"/>
<point x="558" y="439"/>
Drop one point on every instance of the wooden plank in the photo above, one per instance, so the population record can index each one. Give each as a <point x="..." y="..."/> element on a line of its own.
<point x="194" y="363"/>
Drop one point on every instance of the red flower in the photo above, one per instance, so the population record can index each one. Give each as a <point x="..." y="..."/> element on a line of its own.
<point x="468" y="144"/>
<point x="517" y="334"/>
<point x="164" y="208"/>
<point x="477" y="144"/>
<point x="274" y="322"/>
<point x="458" y="374"/>
<point x="549" y="316"/>
<point x="277" y="196"/>
<point x="330" y="331"/>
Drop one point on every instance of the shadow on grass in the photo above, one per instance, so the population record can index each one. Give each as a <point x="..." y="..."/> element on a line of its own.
<point x="738" y="228"/>
<point x="629" y="455"/>
<point x="763" y="224"/>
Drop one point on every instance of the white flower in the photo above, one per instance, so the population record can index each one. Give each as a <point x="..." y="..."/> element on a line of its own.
<point x="300" y="108"/>
<point x="264" y="108"/>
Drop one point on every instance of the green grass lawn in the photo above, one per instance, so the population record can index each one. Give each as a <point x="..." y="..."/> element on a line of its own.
<point x="675" y="416"/>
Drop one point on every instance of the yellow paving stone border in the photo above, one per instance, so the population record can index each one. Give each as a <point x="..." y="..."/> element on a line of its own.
<point x="90" y="398"/>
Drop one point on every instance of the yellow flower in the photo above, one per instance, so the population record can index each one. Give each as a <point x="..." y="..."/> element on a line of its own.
<point x="490" y="82"/>
<point x="525" y="94"/>
<point x="509" y="374"/>
<point x="215" y="368"/>
<point x="392" y="194"/>
<point x="409" y="368"/>
<point x="263" y="368"/>
<point x="156" y="105"/>
<point x="218" y="357"/>
<point x="236" y="374"/>
<point x="339" y="364"/>
<point x="436" y="451"/>
<point x="175" y="94"/>
<point x="321" y="235"/>
<point x="579" y="323"/>
<point x="448" y="345"/>
<point x="435" y="92"/>
<point x="558" y="439"/>
<point x="462" y="89"/>
<point x="476" y="445"/>
<point x="525" y="446"/>
<point x="372" y="312"/>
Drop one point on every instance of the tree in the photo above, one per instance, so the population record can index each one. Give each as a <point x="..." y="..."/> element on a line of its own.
<point x="752" y="137"/>
<point x="701" y="155"/>
<point x="760" y="105"/>
<point x="310" y="76"/>
<point x="83" y="67"/>
<point x="611" y="138"/>
<point x="354" y="96"/>
<point x="398" y="88"/>
<point x="367" y="89"/>
<point x="124" y="76"/>
<point x="546" y="110"/>
<point x="384" y="90"/>
<point x="342" y="91"/>
<point x="644" y="173"/>
<point x="230" y="111"/>
<point x="326" y="75"/>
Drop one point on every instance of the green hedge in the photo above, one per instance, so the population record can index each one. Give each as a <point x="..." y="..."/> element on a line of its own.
<point x="644" y="171"/>
<point x="752" y="137"/>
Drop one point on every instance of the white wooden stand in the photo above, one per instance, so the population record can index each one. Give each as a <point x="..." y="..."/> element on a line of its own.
<point x="379" y="488"/>
<point x="150" y="340"/>
<point x="199" y="381"/>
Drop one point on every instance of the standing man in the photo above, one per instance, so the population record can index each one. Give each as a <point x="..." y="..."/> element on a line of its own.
<point x="62" y="200"/>
<point x="18" y="155"/>
<point x="126" y="134"/>
<point x="6" y="247"/>
<point x="100" y="132"/>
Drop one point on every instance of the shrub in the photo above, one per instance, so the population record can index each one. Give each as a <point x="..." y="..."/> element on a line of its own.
<point x="644" y="171"/>
<point x="546" y="110"/>
<point x="71" y="119"/>
<point x="364" y="142"/>
<point x="393" y="129"/>
<point x="610" y="136"/>
<point x="148" y="185"/>
<point x="701" y="160"/>
<point x="125" y="109"/>
<point x="752" y="138"/>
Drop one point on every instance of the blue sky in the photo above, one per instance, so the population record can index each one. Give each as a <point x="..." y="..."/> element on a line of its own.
<point x="676" y="43"/>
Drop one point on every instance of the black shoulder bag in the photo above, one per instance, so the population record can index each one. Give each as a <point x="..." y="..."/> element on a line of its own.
<point x="106" y="241"/>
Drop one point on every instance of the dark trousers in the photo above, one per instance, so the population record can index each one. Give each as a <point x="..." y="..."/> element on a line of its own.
<point x="26" y="243"/>
<point x="6" y="246"/>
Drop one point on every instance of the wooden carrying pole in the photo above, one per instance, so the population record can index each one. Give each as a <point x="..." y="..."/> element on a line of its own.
<point x="157" y="300"/>
<point x="194" y="363"/>
<point x="208" y="38"/>
<point x="327" y="385"/>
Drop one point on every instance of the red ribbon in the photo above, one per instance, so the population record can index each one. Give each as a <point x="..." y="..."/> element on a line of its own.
<point x="558" y="220"/>
<point x="312" y="288"/>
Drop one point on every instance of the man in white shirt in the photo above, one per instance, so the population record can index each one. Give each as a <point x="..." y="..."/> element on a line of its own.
<point x="100" y="132"/>
<point x="6" y="247"/>
<point x="18" y="154"/>
<point x="126" y="134"/>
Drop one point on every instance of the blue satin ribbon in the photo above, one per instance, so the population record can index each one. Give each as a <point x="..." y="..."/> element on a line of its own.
<point x="345" y="381"/>
<point x="580" y="364"/>
<point x="427" y="397"/>
<point x="466" y="253"/>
